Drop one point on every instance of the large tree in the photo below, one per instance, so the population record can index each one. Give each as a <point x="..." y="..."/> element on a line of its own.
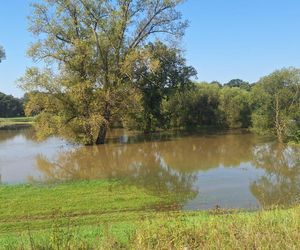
<point x="161" y="71"/>
<point x="2" y="54"/>
<point x="87" y="46"/>
<point x="276" y="99"/>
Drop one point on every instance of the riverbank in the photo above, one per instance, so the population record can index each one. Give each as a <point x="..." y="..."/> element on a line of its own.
<point x="16" y="121"/>
<point x="114" y="214"/>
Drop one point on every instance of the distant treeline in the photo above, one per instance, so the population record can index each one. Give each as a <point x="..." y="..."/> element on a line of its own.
<point x="198" y="105"/>
<point x="11" y="106"/>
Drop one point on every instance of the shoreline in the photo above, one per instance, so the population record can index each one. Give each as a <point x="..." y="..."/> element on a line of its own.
<point x="99" y="211"/>
<point x="16" y="121"/>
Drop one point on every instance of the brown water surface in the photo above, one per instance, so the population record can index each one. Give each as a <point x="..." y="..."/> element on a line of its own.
<point x="227" y="169"/>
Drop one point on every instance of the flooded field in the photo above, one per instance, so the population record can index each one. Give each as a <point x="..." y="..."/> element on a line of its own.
<point x="228" y="169"/>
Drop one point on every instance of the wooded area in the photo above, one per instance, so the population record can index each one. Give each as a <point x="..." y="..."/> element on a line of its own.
<point x="117" y="65"/>
<point x="11" y="106"/>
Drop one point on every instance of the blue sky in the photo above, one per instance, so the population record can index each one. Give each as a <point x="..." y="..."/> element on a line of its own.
<point x="226" y="39"/>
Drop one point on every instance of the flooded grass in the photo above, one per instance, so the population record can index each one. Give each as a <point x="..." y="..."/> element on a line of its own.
<point x="116" y="215"/>
<point x="88" y="202"/>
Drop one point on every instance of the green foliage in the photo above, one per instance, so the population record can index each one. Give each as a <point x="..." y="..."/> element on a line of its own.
<point x="238" y="83"/>
<point x="210" y="105"/>
<point x="276" y="103"/>
<point x="10" y="106"/>
<point x="92" y="45"/>
<point x="111" y="64"/>
<point x="158" y="76"/>
<point x="235" y="106"/>
<point x="197" y="107"/>
<point x="74" y="114"/>
<point x="294" y="137"/>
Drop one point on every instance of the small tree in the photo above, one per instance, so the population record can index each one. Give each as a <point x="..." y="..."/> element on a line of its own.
<point x="88" y="45"/>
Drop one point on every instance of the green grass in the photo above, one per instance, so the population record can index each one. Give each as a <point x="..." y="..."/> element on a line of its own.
<point x="87" y="201"/>
<point x="16" y="120"/>
<point x="116" y="215"/>
<point x="91" y="206"/>
<point x="275" y="229"/>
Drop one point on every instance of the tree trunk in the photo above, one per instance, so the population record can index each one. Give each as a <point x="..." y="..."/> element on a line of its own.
<point x="103" y="126"/>
<point x="148" y="128"/>
<point x="102" y="134"/>
<point x="279" y="136"/>
<point x="279" y="124"/>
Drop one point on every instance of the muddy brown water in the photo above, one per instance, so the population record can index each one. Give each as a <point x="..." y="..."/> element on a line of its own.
<point x="233" y="169"/>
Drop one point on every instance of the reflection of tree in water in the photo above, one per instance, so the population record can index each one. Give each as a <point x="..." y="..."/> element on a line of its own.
<point x="281" y="184"/>
<point x="208" y="152"/>
<point x="166" y="165"/>
<point x="192" y="153"/>
<point x="139" y="165"/>
<point x="10" y="132"/>
<point x="6" y="135"/>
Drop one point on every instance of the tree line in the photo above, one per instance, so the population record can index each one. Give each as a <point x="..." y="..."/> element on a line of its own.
<point x="118" y="62"/>
<point x="270" y="107"/>
<point x="11" y="106"/>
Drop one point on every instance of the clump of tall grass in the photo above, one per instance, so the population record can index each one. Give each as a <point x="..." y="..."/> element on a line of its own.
<point x="260" y="230"/>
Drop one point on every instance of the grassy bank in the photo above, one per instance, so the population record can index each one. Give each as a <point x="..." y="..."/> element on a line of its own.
<point x="16" y="120"/>
<point x="112" y="215"/>
<point x="85" y="205"/>
<point x="88" y="202"/>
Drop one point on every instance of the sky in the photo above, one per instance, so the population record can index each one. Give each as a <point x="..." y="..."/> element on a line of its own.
<point x="226" y="39"/>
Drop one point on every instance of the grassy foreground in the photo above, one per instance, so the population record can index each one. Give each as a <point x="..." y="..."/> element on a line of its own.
<point x="16" y="120"/>
<point x="115" y="215"/>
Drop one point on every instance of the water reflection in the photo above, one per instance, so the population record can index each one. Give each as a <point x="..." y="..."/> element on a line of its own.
<point x="233" y="169"/>
<point x="280" y="186"/>
<point x="150" y="160"/>
<point x="197" y="153"/>
<point x="12" y="131"/>
<point x="163" y="163"/>
<point x="139" y="165"/>
<point x="18" y="152"/>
